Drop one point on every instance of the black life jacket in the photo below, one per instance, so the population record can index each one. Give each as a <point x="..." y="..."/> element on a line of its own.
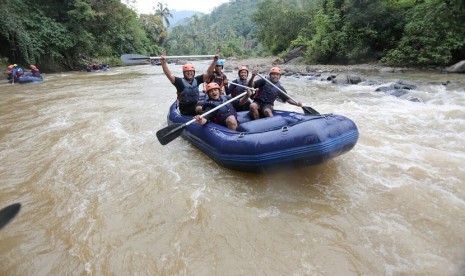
<point x="218" y="78"/>
<point x="268" y="93"/>
<point x="190" y="94"/>
<point x="236" y="90"/>
<point x="35" y="72"/>
<point x="223" y="112"/>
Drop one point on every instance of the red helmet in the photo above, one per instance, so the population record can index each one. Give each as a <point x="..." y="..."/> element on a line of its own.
<point x="11" y="66"/>
<point x="243" y="68"/>
<point x="212" y="85"/>
<point x="188" y="67"/>
<point x="275" y="70"/>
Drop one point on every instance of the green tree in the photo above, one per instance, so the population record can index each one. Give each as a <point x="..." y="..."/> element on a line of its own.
<point x="31" y="37"/>
<point x="163" y="12"/>
<point x="434" y="35"/>
<point x="328" y="43"/>
<point x="279" y="22"/>
<point x="228" y="27"/>
<point x="154" y="28"/>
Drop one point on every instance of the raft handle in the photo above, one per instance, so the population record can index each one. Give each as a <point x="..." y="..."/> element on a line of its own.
<point x="284" y="129"/>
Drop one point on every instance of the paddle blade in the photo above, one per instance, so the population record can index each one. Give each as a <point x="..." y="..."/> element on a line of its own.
<point x="8" y="213"/>
<point x="310" y="111"/>
<point x="169" y="133"/>
<point x="133" y="58"/>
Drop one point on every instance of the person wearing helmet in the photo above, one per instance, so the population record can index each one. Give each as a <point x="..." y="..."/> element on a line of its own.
<point x="35" y="72"/>
<point x="219" y="77"/>
<point x="8" y="71"/>
<point x="187" y="87"/>
<point x="16" y="73"/>
<point x="235" y="90"/>
<point x="225" y="115"/>
<point x="263" y="103"/>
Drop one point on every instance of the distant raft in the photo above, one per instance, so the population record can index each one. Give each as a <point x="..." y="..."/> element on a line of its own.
<point x="285" y="140"/>
<point x="102" y="68"/>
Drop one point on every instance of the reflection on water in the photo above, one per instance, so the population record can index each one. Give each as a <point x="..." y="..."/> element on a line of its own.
<point x="100" y="195"/>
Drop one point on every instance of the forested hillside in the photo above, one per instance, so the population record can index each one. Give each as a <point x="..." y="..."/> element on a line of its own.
<point x="61" y="35"/>
<point x="228" y="27"/>
<point x="395" y="32"/>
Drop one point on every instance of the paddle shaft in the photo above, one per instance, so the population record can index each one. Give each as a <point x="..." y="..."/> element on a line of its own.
<point x="243" y="86"/>
<point x="173" y="131"/>
<point x="218" y="107"/>
<point x="306" y="109"/>
<point x="141" y="57"/>
<point x="268" y="81"/>
<point x="199" y="56"/>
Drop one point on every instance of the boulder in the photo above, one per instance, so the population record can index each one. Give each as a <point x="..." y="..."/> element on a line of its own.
<point x="387" y="70"/>
<point x="459" y="67"/>
<point x="347" y="79"/>
<point x="294" y="53"/>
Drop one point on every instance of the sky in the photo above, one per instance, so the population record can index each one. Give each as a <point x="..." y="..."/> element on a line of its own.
<point x="205" y="6"/>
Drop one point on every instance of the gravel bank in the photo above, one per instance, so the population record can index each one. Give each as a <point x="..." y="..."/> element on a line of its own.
<point x="264" y="64"/>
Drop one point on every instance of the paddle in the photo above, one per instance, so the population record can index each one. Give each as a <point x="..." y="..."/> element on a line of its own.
<point x="8" y="213"/>
<point x="171" y="132"/>
<point x="306" y="109"/>
<point x="135" y="58"/>
<point x="243" y="86"/>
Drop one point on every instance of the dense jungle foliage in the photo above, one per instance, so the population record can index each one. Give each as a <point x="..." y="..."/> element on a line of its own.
<point x="59" y="35"/>
<point x="65" y="34"/>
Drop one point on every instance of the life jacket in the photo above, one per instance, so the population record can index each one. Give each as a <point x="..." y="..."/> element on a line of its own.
<point x="19" y="72"/>
<point x="190" y="94"/>
<point x="35" y="72"/>
<point x="268" y="93"/>
<point x="236" y="90"/>
<point x="218" y="78"/>
<point x="223" y="112"/>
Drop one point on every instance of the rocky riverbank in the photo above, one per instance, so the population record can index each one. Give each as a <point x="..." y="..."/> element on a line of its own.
<point x="290" y="68"/>
<point x="340" y="74"/>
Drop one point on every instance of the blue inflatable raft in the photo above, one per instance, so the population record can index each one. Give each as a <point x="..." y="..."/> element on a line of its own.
<point x="28" y="79"/>
<point x="285" y="140"/>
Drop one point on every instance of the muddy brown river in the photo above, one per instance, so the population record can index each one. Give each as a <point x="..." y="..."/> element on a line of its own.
<point x="101" y="196"/>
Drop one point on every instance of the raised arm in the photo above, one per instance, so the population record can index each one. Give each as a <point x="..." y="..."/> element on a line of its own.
<point x="211" y="68"/>
<point x="166" y="70"/>
<point x="251" y="82"/>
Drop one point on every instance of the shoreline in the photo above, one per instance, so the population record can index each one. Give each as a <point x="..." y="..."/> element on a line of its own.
<point x="290" y="68"/>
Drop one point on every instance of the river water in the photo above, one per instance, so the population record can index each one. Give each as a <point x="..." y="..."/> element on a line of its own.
<point x="101" y="196"/>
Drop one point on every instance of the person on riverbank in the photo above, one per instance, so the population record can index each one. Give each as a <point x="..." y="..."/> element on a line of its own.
<point x="187" y="88"/>
<point x="263" y="102"/>
<point x="235" y="90"/>
<point x="225" y="115"/>
<point x="219" y="77"/>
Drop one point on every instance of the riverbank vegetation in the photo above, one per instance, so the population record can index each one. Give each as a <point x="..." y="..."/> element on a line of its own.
<point x="60" y="35"/>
